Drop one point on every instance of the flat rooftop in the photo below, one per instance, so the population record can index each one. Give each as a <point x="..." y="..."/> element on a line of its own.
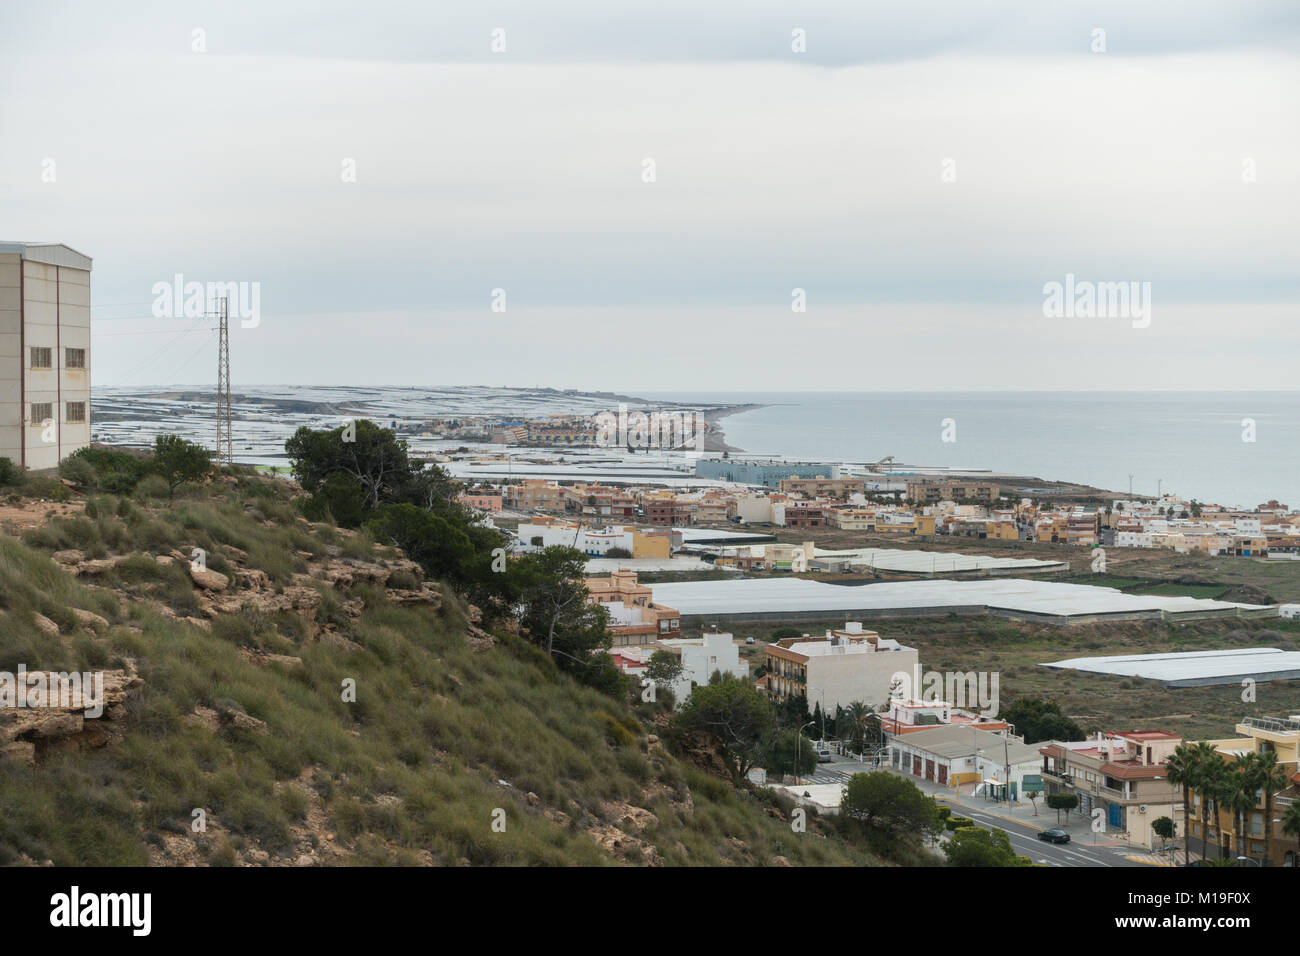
<point x="912" y="561"/>
<point x="776" y="599"/>
<point x="1193" y="668"/>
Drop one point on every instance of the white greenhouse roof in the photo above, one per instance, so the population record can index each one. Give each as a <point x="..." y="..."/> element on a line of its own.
<point x="757" y="597"/>
<point x="937" y="562"/>
<point x="1193" y="668"/>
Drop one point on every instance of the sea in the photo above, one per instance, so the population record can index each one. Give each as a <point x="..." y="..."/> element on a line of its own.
<point x="1238" y="449"/>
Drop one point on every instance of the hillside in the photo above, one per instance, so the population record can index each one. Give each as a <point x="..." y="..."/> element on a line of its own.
<point x="226" y="695"/>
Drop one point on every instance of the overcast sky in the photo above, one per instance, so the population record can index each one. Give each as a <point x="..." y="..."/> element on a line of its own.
<point x="921" y="171"/>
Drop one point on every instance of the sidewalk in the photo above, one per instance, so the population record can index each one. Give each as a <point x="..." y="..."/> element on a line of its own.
<point x="1023" y="812"/>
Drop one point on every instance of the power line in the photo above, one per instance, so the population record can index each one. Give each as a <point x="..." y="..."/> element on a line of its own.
<point x="165" y="346"/>
<point x="149" y="331"/>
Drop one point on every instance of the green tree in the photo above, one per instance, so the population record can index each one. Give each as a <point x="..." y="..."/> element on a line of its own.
<point x="554" y="610"/>
<point x="371" y="457"/>
<point x="1038" y="719"/>
<point x="439" y="546"/>
<point x="793" y="711"/>
<point x="1181" y="769"/>
<point x="1238" y="796"/>
<point x="664" y="667"/>
<point x="1291" y="826"/>
<point x="787" y="745"/>
<point x="851" y="724"/>
<point x="1210" y="784"/>
<point x="734" y="715"/>
<point x="1163" y="827"/>
<point x="889" y="806"/>
<point x="975" y="846"/>
<point x="179" y="461"/>
<point x="1062" y="801"/>
<point x="1271" y="777"/>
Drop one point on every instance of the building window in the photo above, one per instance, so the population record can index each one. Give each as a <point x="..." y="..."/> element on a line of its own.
<point x="42" y="411"/>
<point x="74" y="358"/>
<point x="41" y="357"/>
<point x="76" y="412"/>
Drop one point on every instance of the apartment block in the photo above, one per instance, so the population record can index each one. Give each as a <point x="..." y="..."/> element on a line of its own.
<point x="44" y="353"/>
<point x="929" y="492"/>
<point x="1123" y="775"/>
<point x="1278" y="735"/>
<point x="822" y="487"/>
<point x="667" y="511"/>
<point x="634" y="617"/>
<point x="536" y="494"/>
<point x="845" y="666"/>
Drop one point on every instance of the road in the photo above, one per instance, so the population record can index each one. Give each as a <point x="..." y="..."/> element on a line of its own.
<point x="1023" y="836"/>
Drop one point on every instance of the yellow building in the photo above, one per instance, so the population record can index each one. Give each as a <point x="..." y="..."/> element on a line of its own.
<point x="652" y="544"/>
<point x="1280" y="735"/>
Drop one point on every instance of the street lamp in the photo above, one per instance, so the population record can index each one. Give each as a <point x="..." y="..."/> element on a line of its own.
<point x="1006" y="760"/>
<point x="797" y="742"/>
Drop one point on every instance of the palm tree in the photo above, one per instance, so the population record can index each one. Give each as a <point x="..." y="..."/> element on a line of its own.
<point x="1181" y="769"/>
<point x="1209" y="765"/>
<point x="1239" y="796"/>
<point x="855" y="716"/>
<point x="1291" y="825"/>
<point x="1272" y="777"/>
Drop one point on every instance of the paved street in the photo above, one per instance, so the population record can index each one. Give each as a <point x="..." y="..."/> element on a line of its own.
<point x="1018" y="820"/>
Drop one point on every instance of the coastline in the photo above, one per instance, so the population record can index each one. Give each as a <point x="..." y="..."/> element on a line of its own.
<point x="715" y="439"/>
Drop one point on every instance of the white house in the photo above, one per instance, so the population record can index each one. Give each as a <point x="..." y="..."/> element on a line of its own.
<point x="594" y="542"/>
<point x="701" y="657"/>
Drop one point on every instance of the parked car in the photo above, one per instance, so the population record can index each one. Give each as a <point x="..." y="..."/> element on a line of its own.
<point x="1054" y="836"/>
<point x="824" y="756"/>
<point x="749" y="640"/>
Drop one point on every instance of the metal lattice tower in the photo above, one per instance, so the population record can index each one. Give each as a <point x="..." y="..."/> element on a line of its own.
<point x="223" y="454"/>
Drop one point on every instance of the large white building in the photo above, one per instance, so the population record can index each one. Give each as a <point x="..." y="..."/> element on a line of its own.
<point x="44" y="353"/>
<point x="849" y="665"/>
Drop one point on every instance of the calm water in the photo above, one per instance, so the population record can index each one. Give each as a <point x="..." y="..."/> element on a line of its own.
<point x="1192" y="440"/>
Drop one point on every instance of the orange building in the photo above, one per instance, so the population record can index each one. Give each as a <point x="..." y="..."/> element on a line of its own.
<point x="634" y="618"/>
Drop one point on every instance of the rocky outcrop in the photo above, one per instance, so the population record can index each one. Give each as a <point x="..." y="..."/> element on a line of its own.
<point x="225" y="714"/>
<point x="90" y="620"/>
<point x="58" y="718"/>
<point x="208" y="579"/>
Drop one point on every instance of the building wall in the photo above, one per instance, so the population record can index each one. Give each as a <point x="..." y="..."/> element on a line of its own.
<point x="651" y="545"/>
<point x="717" y="652"/>
<point x="840" y="679"/>
<point x="11" y="362"/>
<point x="54" y="303"/>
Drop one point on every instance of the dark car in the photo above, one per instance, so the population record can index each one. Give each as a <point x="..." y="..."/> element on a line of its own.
<point x="1054" y="836"/>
